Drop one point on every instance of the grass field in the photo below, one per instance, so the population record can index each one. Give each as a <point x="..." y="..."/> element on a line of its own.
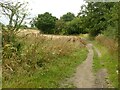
<point x="45" y="61"/>
<point x="41" y="63"/>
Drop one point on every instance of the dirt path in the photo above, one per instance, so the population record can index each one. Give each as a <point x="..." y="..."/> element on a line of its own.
<point x="84" y="77"/>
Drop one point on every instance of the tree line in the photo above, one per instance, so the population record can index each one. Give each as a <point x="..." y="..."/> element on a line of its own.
<point x="94" y="18"/>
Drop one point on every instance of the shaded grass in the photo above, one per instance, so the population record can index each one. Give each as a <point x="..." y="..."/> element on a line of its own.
<point x="52" y="74"/>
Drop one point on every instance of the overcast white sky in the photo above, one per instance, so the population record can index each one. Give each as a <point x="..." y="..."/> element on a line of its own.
<point x="56" y="7"/>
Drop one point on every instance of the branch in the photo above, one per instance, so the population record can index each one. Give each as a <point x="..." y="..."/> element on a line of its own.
<point x="20" y="22"/>
<point x="15" y="22"/>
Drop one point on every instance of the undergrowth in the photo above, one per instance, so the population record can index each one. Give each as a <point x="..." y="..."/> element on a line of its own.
<point x="37" y="62"/>
<point x="108" y="59"/>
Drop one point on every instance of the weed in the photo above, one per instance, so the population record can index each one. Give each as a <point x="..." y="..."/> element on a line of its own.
<point x="108" y="61"/>
<point x="40" y="62"/>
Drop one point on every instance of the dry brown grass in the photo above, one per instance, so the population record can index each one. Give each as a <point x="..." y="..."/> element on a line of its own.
<point x="36" y="33"/>
<point x="111" y="44"/>
<point x="36" y="51"/>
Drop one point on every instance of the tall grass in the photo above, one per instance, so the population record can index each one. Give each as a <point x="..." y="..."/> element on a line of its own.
<point x="108" y="59"/>
<point x="111" y="44"/>
<point x="39" y="62"/>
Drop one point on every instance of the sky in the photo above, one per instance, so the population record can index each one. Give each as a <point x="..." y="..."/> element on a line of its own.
<point x="55" y="7"/>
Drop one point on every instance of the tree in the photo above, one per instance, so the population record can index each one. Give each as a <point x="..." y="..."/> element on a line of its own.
<point x="45" y="22"/>
<point x="32" y="22"/>
<point x="68" y="17"/>
<point x="15" y="13"/>
<point x="112" y="19"/>
<point x="75" y="26"/>
<point x="94" y="16"/>
<point x="60" y="27"/>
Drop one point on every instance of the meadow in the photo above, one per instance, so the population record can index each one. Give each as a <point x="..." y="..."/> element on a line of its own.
<point x="41" y="62"/>
<point x="51" y="50"/>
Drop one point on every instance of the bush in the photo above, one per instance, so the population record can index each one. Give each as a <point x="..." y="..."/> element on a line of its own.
<point x="59" y="26"/>
<point x="45" y="22"/>
<point x="74" y="27"/>
<point x="111" y="32"/>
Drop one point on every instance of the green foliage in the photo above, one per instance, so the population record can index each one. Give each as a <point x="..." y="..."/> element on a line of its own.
<point x="97" y="17"/>
<point x="59" y="26"/>
<point x="15" y="13"/>
<point x="68" y="17"/>
<point x="11" y="44"/>
<point x="111" y="32"/>
<point x="49" y="75"/>
<point x="96" y="62"/>
<point x="108" y="61"/>
<point x="112" y="18"/>
<point x="45" y="22"/>
<point x="75" y="26"/>
<point x="40" y="61"/>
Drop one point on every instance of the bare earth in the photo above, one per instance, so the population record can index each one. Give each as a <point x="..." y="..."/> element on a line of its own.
<point x="100" y="81"/>
<point x="84" y="77"/>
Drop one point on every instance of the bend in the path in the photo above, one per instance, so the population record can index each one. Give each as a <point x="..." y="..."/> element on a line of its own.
<point x="84" y="77"/>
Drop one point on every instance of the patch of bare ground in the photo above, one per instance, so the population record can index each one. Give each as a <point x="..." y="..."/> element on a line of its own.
<point x="101" y="79"/>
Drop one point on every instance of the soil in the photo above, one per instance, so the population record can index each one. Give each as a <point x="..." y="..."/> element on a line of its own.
<point x="84" y="77"/>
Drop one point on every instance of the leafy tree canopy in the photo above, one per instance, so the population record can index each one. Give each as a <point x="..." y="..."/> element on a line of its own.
<point x="68" y="17"/>
<point x="97" y="16"/>
<point x="45" y="22"/>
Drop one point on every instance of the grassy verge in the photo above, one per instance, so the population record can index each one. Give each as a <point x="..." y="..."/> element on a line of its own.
<point x="108" y="61"/>
<point x="96" y="62"/>
<point x="40" y="63"/>
<point x="51" y="75"/>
